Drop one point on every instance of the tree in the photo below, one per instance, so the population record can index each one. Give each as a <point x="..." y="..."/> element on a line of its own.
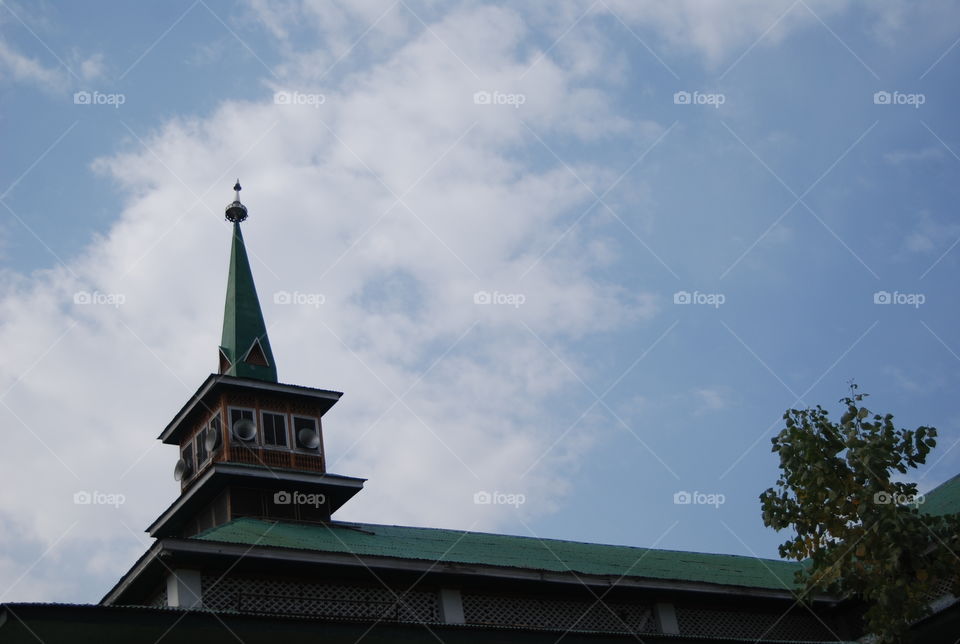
<point x="861" y="534"/>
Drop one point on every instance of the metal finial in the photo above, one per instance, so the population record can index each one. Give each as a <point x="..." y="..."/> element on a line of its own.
<point x="236" y="211"/>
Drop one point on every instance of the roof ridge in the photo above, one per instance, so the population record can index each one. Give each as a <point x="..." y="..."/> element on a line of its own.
<point x="363" y="525"/>
<point x="944" y="483"/>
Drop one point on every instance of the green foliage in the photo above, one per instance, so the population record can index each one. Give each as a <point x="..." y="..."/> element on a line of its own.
<point x="862" y="533"/>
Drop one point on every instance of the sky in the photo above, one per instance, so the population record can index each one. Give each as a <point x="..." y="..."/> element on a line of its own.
<point x="577" y="255"/>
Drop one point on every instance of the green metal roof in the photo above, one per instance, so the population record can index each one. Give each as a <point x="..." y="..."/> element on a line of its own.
<point x="243" y="325"/>
<point x="943" y="499"/>
<point x="454" y="546"/>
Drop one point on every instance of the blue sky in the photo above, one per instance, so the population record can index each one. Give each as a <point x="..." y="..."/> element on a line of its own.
<point x="586" y="198"/>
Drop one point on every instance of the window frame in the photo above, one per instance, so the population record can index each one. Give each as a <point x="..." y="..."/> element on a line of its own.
<point x="186" y="450"/>
<point x="286" y="429"/>
<point x="253" y="416"/>
<point x="295" y="445"/>
<point x="199" y="444"/>
<point x="216" y="416"/>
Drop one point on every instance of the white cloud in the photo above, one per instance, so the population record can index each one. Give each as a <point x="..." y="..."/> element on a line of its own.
<point x="898" y="157"/>
<point x="17" y="67"/>
<point x="91" y="67"/>
<point x="930" y="235"/>
<point x="577" y="32"/>
<point x="719" y="31"/>
<point x="903" y="379"/>
<point x="712" y="398"/>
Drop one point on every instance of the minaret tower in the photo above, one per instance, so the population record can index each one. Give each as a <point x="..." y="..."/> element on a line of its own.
<point x="250" y="445"/>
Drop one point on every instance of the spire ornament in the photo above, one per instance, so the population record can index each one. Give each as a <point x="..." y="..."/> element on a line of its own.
<point x="244" y="346"/>
<point x="236" y="211"/>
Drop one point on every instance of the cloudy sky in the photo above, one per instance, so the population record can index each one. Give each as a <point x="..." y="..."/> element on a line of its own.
<point x="586" y="252"/>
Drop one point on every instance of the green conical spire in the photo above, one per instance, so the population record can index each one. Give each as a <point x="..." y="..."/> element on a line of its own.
<point x="244" y="347"/>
